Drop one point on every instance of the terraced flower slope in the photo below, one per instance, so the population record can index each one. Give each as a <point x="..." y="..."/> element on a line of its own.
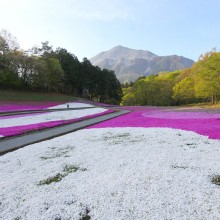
<point x="19" y="124"/>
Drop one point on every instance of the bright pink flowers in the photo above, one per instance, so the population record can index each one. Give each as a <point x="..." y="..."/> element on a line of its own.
<point x="201" y="122"/>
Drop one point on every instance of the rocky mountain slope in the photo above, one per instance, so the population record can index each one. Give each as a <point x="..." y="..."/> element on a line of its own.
<point x="129" y="64"/>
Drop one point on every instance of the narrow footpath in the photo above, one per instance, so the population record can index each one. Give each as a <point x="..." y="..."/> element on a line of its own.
<point x="13" y="143"/>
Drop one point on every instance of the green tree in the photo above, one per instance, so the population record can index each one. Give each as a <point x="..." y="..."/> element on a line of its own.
<point x="55" y="75"/>
<point x="151" y="90"/>
<point x="207" y="76"/>
<point x="184" y="91"/>
<point x="71" y="66"/>
<point x="113" y="91"/>
<point x="8" y="74"/>
<point x="88" y="78"/>
<point x="165" y="83"/>
<point x="128" y="98"/>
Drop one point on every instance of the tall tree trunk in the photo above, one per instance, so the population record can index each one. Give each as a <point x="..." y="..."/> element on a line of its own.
<point x="212" y="98"/>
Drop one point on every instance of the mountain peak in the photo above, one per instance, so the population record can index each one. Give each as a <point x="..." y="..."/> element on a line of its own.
<point x="121" y="52"/>
<point x="129" y="64"/>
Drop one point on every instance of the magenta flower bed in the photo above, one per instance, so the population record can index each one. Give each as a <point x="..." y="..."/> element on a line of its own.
<point x="9" y="106"/>
<point x="203" y="123"/>
<point x="17" y="130"/>
<point x="180" y="115"/>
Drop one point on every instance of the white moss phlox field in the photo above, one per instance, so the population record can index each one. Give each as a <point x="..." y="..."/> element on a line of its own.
<point x="47" y="117"/>
<point x="113" y="173"/>
<point x="72" y="105"/>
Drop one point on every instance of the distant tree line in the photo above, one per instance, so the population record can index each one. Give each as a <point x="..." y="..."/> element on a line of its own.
<point x="46" y="70"/>
<point x="200" y="83"/>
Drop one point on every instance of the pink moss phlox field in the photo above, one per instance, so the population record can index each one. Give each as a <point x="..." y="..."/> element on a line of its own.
<point x="180" y="115"/>
<point x="18" y="106"/>
<point x="203" y="123"/>
<point x="17" y="130"/>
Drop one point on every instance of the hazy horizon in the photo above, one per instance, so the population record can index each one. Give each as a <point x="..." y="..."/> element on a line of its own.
<point x="86" y="28"/>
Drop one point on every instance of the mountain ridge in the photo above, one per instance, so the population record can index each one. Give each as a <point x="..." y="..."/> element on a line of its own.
<point x="129" y="64"/>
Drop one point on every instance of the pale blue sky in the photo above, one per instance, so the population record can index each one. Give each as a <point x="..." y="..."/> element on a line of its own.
<point x="88" y="27"/>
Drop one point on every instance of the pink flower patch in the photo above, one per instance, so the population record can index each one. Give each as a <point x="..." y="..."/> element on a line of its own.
<point x="17" y="130"/>
<point x="203" y="123"/>
<point x="180" y="115"/>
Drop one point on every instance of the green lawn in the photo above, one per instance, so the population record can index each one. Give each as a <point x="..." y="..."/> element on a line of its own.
<point x="12" y="95"/>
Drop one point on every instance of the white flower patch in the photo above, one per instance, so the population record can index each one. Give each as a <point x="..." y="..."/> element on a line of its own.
<point x="72" y="105"/>
<point x="51" y="116"/>
<point x="113" y="173"/>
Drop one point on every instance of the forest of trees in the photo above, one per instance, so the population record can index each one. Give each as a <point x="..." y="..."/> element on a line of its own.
<point x="43" y="69"/>
<point x="200" y="83"/>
